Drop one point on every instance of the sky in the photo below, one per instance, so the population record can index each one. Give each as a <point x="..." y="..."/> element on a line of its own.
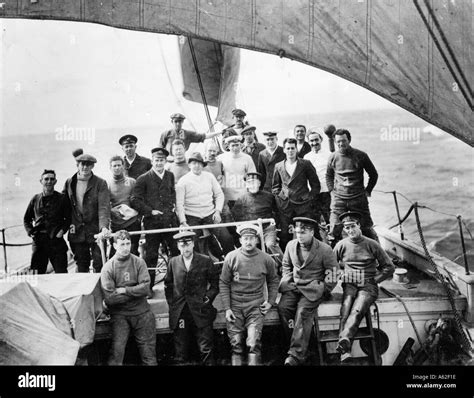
<point x="79" y="75"/>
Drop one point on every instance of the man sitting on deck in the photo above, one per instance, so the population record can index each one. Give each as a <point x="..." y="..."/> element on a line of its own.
<point x="359" y="256"/>
<point x="125" y="284"/>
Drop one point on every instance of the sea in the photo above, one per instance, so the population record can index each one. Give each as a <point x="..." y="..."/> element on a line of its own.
<point x="418" y="161"/>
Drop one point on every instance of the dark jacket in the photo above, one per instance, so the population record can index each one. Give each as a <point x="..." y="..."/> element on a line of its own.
<point x="191" y="287"/>
<point x="95" y="209"/>
<point x="304" y="150"/>
<point x="254" y="206"/>
<point x="266" y="166"/>
<point x="294" y="189"/>
<point x="313" y="277"/>
<point x="254" y="152"/>
<point x="152" y="193"/>
<point x="139" y="166"/>
<point x="50" y="216"/>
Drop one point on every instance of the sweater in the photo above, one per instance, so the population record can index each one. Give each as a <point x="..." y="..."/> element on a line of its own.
<point x="120" y="192"/>
<point x="178" y="169"/>
<point x="320" y="163"/>
<point x="244" y="275"/>
<point x="235" y="169"/>
<point x="81" y="188"/>
<point x="217" y="169"/>
<point x="198" y="195"/>
<point x="130" y="272"/>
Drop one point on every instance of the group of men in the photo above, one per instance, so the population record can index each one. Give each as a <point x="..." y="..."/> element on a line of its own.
<point x="301" y="185"/>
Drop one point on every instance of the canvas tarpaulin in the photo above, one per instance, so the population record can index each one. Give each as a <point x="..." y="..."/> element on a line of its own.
<point x="34" y="328"/>
<point x="417" y="54"/>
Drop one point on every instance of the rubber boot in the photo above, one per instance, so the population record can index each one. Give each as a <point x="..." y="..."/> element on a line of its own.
<point x="254" y="360"/>
<point x="236" y="360"/>
<point x="346" y="307"/>
<point x="359" y="309"/>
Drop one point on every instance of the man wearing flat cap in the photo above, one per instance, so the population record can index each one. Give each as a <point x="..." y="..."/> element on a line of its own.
<point x="239" y="120"/>
<point x="191" y="285"/>
<point x="89" y="197"/>
<point x="303" y="286"/>
<point x="177" y="132"/>
<point x="250" y="145"/>
<point x="268" y="158"/>
<point x="154" y="196"/>
<point x="134" y="164"/>
<point x="359" y="257"/>
<point x="255" y="204"/>
<point x="242" y="285"/>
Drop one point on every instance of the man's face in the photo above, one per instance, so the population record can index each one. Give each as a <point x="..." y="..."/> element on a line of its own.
<point x="342" y="143"/>
<point x="48" y="181"/>
<point x="85" y="168"/>
<point x="211" y="153"/>
<point x="129" y="150"/>
<point x="158" y="162"/>
<point x="249" y="138"/>
<point x="177" y="124"/>
<point x="116" y="167"/>
<point x="239" y="121"/>
<point x="196" y="167"/>
<point x="178" y="153"/>
<point x="248" y="242"/>
<point x="234" y="147"/>
<point x="300" y="133"/>
<point x="123" y="246"/>
<point x="290" y="151"/>
<point x="315" y="142"/>
<point x="186" y="248"/>
<point x="304" y="234"/>
<point x="353" y="230"/>
<point x="271" y="142"/>
<point x="252" y="185"/>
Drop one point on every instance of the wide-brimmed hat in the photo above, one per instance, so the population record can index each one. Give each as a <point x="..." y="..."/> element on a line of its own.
<point x="197" y="157"/>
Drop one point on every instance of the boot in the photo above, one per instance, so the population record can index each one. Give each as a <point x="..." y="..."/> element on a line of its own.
<point x="254" y="360"/>
<point x="236" y="360"/>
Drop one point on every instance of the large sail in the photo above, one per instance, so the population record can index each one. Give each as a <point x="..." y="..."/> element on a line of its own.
<point x="417" y="54"/>
<point x="218" y="68"/>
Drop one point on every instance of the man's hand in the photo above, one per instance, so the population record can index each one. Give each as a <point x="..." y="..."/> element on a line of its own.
<point x="216" y="217"/>
<point x="156" y="213"/>
<point x="265" y="307"/>
<point x="60" y="234"/>
<point x="229" y="315"/>
<point x="120" y="290"/>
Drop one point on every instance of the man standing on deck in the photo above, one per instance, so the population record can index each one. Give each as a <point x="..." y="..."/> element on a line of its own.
<point x="90" y="202"/>
<point x="191" y="285"/>
<point x="302" y="147"/>
<point x="135" y="165"/>
<point x="177" y="132"/>
<point x="319" y="159"/>
<point x="251" y="146"/>
<point x="179" y="167"/>
<point x="154" y="196"/>
<point x="303" y="286"/>
<point x="240" y="123"/>
<point x="46" y="220"/>
<point x="359" y="256"/>
<point x="345" y="181"/>
<point x="268" y="158"/>
<point x="290" y="186"/>
<point x="125" y="283"/>
<point x="242" y="283"/>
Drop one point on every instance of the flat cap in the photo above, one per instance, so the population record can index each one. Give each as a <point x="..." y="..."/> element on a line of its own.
<point x="128" y="139"/>
<point x="270" y="133"/>
<point x="85" y="157"/>
<point x="248" y="229"/>
<point x="248" y="129"/>
<point x="184" y="236"/>
<point x="160" y="151"/>
<point x="306" y="221"/>
<point x="238" y="112"/>
<point x="350" y="217"/>
<point x="178" y="116"/>
<point x="197" y="157"/>
<point x="252" y="175"/>
<point x="233" y="138"/>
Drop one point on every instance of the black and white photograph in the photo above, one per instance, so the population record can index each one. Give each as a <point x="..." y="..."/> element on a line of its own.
<point x="211" y="187"/>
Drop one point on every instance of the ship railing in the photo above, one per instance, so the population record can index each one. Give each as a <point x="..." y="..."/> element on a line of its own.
<point x="5" y="244"/>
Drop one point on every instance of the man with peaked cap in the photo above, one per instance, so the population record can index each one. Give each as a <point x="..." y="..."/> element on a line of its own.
<point x="154" y="196"/>
<point x="242" y="286"/>
<point x="291" y="180"/>
<point x="255" y="204"/>
<point x="268" y="158"/>
<point x="191" y="285"/>
<point x="177" y="132"/>
<point x="360" y="257"/>
<point x="90" y="202"/>
<point x="239" y="117"/>
<point x="303" y="286"/>
<point x="250" y="145"/>
<point x="135" y="165"/>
